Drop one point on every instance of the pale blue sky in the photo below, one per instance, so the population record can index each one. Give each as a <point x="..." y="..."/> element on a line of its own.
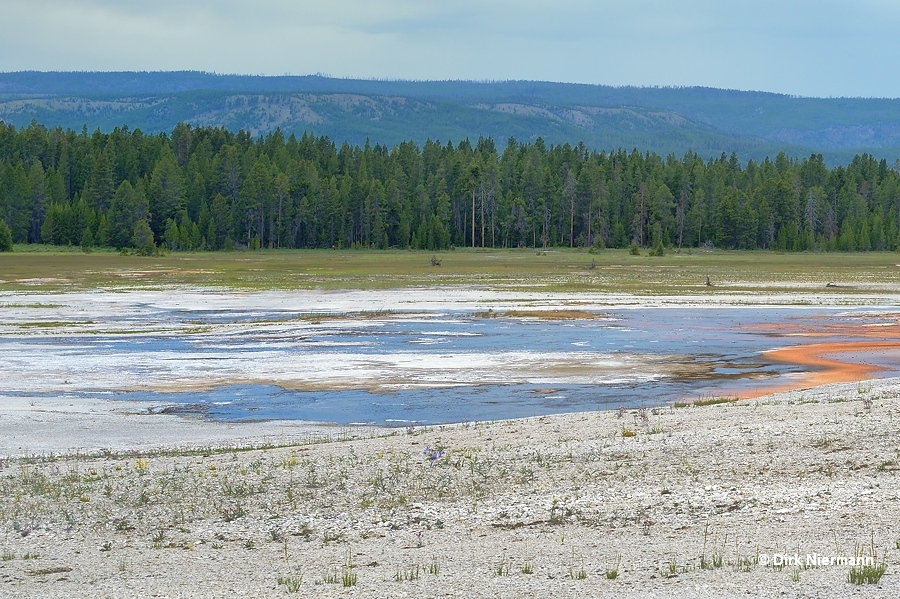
<point x="802" y="47"/>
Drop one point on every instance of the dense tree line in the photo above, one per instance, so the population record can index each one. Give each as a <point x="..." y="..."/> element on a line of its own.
<point x="208" y="188"/>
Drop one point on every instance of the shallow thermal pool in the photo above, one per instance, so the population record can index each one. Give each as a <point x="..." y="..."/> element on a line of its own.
<point x="403" y="367"/>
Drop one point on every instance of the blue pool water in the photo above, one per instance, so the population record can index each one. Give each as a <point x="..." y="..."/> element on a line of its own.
<point x="720" y="350"/>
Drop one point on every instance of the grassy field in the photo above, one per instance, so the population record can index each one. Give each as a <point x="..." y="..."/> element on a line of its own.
<point x="614" y="271"/>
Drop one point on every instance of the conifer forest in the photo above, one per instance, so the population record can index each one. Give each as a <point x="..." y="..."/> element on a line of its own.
<point x="206" y="188"/>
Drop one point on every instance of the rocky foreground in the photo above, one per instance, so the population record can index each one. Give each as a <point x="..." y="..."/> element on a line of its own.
<point x="720" y="500"/>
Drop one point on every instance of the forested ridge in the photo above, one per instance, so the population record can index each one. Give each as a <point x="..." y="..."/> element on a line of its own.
<point x="663" y="120"/>
<point x="209" y="188"/>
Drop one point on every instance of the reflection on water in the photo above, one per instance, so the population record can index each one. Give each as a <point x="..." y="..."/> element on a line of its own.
<point x="431" y="368"/>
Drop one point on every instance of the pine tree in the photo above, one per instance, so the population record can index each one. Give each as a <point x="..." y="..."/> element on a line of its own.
<point x="6" y="240"/>
<point x="142" y="238"/>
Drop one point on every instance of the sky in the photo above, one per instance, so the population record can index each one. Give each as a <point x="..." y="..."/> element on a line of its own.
<point x="823" y="48"/>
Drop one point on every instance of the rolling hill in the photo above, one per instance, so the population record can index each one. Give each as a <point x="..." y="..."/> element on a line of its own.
<point x="662" y="120"/>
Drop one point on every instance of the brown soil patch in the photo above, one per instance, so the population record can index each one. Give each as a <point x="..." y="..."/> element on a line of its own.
<point x="543" y="314"/>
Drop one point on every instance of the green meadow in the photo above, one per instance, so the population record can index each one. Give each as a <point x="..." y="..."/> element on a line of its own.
<point x="47" y="268"/>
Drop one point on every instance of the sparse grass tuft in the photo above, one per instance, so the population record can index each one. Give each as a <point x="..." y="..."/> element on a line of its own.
<point x="745" y="563"/>
<point x="577" y="571"/>
<point x="867" y="569"/>
<point x="434" y="568"/>
<point x="158" y="538"/>
<point x="291" y="583"/>
<point x="411" y="573"/>
<point x="613" y="571"/>
<point x="348" y="575"/>
<point x="527" y="566"/>
<point x="232" y="513"/>
<point x="713" y="401"/>
<point x="717" y="559"/>
<point x="503" y="566"/>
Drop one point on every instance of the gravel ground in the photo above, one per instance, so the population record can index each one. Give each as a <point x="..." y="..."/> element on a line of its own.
<point x="703" y="501"/>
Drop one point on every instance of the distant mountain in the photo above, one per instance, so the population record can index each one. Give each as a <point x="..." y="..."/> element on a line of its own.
<point x="662" y="120"/>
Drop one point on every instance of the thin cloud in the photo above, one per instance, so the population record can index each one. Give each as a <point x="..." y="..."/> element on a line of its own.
<point x="806" y="47"/>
